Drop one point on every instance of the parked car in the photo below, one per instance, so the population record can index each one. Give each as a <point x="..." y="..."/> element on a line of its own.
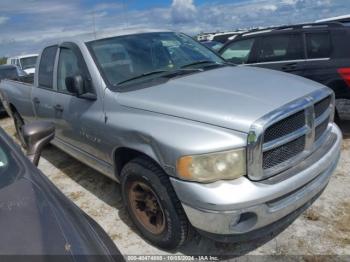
<point x="25" y="62"/>
<point x="316" y="51"/>
<point x="36" y="218"/>
<point x="11" y="72"/>
<point x="213" y="45"/>
<point x="232" y="151"/>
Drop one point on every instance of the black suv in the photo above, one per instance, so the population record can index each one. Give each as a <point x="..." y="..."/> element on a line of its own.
<point x="318" y="51"/>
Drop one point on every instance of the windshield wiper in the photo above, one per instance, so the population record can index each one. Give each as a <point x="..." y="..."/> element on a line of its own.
<point x="170" y="73"/>
<point x="199" y="63"/>
<point x="143" y="75"/>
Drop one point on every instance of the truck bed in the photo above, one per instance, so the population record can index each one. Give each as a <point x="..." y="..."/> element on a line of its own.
<point x="17" y="95"/>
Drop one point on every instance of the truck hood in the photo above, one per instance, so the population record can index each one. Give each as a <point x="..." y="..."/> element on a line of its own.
<point x="229" y="97"/>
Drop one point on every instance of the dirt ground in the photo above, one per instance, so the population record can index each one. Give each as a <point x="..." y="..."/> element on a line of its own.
<point x="324" y="229"/>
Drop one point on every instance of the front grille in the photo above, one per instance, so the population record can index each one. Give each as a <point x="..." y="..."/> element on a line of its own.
<point x="285" y="126"/>
<point x="274" y="147"/>
<point x="321" y="106"/>
<point x="283" y="153"/>
<point x="321" y="128"/>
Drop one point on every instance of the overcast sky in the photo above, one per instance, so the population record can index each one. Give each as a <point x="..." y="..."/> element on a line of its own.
<point x="27" y="25"/>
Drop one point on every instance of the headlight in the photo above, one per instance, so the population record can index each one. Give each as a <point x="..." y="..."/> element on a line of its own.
<point x="214" y="166"/>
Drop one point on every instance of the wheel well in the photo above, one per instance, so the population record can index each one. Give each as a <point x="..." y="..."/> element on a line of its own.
<point x="13" y="109"/>
<point x="124" y="155"/>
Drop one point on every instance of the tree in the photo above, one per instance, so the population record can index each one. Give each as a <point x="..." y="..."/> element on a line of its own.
<point x="3" y="60"/>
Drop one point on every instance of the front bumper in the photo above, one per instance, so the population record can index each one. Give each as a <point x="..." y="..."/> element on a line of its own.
<point x="241" y="206"/>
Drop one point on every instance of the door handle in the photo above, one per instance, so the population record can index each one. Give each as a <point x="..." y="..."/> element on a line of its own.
<point x="58" y="108"/>
<point x="36" y="100"/>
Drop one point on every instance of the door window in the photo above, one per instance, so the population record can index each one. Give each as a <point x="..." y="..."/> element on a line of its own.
<point x="67" y="67"/>
<point x="238" y="52"/>
<point x="46" y="67"/>
<point x="280" y="48"/>
<point x="318" y="45"/>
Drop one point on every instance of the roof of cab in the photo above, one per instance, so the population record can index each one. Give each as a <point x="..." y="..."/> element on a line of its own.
<point x="23" y="56"/>
<point x="111" y="33"/>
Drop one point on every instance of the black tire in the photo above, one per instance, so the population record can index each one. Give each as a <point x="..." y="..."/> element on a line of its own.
<point x="19" y="123"/>
<point x="176" y="227"/>
<point x="337" y="119"/>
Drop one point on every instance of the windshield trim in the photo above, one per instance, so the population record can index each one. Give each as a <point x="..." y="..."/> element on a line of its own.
<point x="28" y="57"/>
<point x="147" y="81"/>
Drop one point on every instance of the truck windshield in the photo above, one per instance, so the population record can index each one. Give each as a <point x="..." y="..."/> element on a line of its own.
<point x="145" y="56"/>
<point x="28" y="62"/>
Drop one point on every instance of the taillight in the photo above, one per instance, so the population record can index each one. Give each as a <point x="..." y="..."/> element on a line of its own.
<point x="345" y="74"/>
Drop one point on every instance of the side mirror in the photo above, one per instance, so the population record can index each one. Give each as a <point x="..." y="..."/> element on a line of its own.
<point x="36" y="136"/>
<point x="75" y="84"/>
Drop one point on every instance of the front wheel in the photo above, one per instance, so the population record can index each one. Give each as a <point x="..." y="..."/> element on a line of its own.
<point x="153" y="205"/>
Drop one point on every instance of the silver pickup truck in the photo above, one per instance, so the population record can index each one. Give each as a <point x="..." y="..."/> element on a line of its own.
<point x="234" y="152"/>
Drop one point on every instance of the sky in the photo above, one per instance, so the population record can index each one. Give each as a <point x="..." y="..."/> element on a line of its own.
<point x="28" y="25"/>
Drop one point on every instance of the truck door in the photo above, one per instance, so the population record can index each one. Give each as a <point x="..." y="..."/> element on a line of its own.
<point x="78" y="119"/>
<point x="43" y="93"/>
<point x="283" y="52"/>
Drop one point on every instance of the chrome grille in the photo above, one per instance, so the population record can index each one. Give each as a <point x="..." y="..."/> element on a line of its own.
<point x="282" y="153"/>
<point x="285" y="126"/>
<point x="321" y="128"/>
<point x="322" y="106"/>
<point x="288" y="135"/>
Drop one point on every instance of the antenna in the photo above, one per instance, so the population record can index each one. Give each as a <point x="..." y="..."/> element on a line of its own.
<point x="94" y="23"/>
<point x="125" y="15"/>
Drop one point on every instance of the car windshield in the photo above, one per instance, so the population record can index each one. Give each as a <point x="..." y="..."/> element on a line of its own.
<point x="28" y="62"/>
<point x="9" y="167"/>
<point x="8" y="73"/>
<point x="146" y="56"/>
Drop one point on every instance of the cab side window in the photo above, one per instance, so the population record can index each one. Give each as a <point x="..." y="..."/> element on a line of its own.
<point x="280" y="48"/>
<point x="318" y="45"/>
<point x="46" y="67"/>
<point x="67" y="67"/>
<point x="238" y="52"/>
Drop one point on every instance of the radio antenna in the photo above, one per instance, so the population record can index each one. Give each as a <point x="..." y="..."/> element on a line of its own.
<point x="94" y="23"/>
<point x="125" y="15"/>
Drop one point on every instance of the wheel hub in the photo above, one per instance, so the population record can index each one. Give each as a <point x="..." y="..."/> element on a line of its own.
<point x="146" y="207"/>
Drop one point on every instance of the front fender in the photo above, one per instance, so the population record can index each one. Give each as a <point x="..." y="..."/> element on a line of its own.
<point x="165" y="138"/>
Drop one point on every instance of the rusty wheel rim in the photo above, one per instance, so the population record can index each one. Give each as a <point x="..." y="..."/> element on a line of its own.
<point x="145" y="205"/>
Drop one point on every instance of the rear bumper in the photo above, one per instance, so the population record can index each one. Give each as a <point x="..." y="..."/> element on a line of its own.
<point x="242" y="206"/>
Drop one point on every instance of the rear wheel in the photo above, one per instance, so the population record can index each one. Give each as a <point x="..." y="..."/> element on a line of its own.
<point x="19" y="123"/>
<point x="153" y="205"/>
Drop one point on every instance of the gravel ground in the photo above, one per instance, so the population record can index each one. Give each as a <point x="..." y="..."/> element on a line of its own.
<point x="324" y="229"/>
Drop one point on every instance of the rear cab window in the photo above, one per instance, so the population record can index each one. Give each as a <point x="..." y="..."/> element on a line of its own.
<point x="46" y="67"/>
<point x="318" y="45"/>
<point x="280" y="48"/>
